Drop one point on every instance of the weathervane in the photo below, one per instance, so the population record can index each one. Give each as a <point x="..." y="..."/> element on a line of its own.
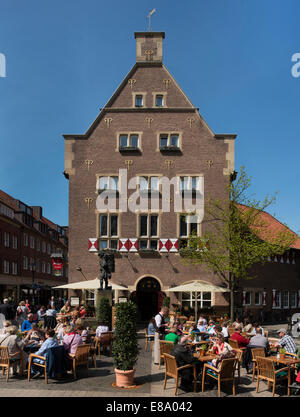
<point x="149" y="17"/>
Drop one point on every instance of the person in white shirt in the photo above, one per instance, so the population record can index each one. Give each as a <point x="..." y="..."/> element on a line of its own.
<point x="203" y="319"/>
<point x="102" y="328"/>
<point x="255" y="327"/>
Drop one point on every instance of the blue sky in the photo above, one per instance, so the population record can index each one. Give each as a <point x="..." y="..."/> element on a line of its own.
<point x="231" y="57"/>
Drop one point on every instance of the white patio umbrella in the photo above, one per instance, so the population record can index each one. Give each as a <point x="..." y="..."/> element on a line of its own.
<point x="92" y="284"/>
<point x="195" y="287"/>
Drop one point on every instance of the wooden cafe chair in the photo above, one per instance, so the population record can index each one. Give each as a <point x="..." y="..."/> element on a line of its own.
<point x="224" y="373"/>
<point x="80" y="357"/>
<point x="266" y="371"/>
<point x="6" y="360"/>
<point x="173" y="371"/>
<point x="165" y="347"/>
<point x="255" y="353"/>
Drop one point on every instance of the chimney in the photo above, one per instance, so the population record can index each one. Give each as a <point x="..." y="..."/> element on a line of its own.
<point x="149" y="46"/>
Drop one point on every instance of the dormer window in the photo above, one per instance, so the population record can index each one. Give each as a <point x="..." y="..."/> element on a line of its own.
<point x="139" y="100"/>
<point x="159" y="100"/>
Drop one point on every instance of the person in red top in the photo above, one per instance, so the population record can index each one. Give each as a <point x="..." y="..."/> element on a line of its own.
<point x="82" y="312"/>
<point x="242" y="341"/>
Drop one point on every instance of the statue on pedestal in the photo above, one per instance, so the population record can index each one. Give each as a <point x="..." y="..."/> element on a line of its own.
<point x="107" y="266"/>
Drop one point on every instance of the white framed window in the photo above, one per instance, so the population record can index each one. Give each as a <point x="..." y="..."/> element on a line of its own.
<point x="159" y="100"/>
<point x="25" y="262"/>
<point x="293" y="299"/>
<point x="139" y="100"/>
<point x="31" y="264"/>
<point x="6" y="239"/>
<point x="108" y="231"/>
<point x="38" y="245"/>
<point x="38" y="265"/>
<point x="278" y="299"/>
<point x="257" y="298"/>
<point x="148" y="183"/>
<point x="32" y="242"/>
<point x="188" y="228"/>
<point x="191" y="183"/>
<point x="6" y="266"/>
<point x="43" y="267"/>
<point x="25" y="239"/>
<point x="14" y="268"/>
<point x="203" y="299"/>
<point x="108" y="183"/>
<point x="129" y="140"/>
<point x="48" y="268"/>
<point x="15" y="242"/>
<point x="248" y="298"/>
<point x="44" y="247"/>
<point x="49" y="249"/>
<point x="169" y="140"/>
<point x="285" y="299"/>
<point x="148" y="228"/>
<point x="90" y="298"/>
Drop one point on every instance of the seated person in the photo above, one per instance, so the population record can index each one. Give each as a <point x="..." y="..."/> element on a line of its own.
<point x="201" y="326"/>
<point x="15" y="346"/>
<point x="225" y="330"/>
<point x="41" y="313"/>
<point x="286" y="342"/>
<point x="237" y="322"/>
<point x="82" y="311"/>
<point x="254" y="329"/>
<point x="85" y="335"/>
<point x="71" y="340"/>
<point x="194" y="329"/>
<point x="152" y="327"/>
<point x="172" y="335"/>
<point x="102" y="328"/>
<point x="201" y="318"/>
<point x="242" y="341"/>
<point x="183" y="357"/>
<point x="247" y="327"/>
<point x="26" y="325"/>
<point x="259" y="340"/>
<point x="48" y="343"/>
<point x="210" y="327"/>
<point x="34" y="336"/>
<point x="6" y="324"/>
<point x="179" y="326"/>
<point x="66" y="309"/>
<point x="220" y="347"/>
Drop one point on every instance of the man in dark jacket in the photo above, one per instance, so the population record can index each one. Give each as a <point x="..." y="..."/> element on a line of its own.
<point x="7" y="310"/>
<point x="183" y="357"/>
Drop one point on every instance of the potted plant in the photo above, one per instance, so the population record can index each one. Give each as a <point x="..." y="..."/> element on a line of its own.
<point x="282" y="353"/>
<point x="104" y="311"/>
<point x="125" y="347"/>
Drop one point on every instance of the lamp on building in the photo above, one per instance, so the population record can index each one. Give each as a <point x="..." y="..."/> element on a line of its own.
<point x="80" y="270"/>
<point x="32" y="267"/>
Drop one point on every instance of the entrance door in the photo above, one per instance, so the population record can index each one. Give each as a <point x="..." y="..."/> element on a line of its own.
<point x="147" y="297"/>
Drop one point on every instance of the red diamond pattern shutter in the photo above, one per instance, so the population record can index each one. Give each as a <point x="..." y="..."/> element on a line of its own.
<point x="93" y="245"/>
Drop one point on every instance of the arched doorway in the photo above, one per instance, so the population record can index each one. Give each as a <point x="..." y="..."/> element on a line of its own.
<point x="147" y="291"/>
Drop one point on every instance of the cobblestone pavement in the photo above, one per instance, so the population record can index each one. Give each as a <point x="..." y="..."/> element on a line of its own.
<point x="148" y="377"/>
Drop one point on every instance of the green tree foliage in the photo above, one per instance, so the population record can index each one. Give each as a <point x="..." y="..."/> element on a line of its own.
<point x="237" y="235"/>
<point x="125" y="347"/>
<point x="104" y="312"/>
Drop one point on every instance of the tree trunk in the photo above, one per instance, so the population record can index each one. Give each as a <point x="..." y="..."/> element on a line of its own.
<point x="231" y="304"/>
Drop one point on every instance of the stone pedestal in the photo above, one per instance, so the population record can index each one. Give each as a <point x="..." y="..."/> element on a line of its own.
<point x="103" y="293"/>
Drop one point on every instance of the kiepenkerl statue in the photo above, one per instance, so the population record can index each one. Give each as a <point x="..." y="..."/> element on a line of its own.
<point x="107" y="266"/>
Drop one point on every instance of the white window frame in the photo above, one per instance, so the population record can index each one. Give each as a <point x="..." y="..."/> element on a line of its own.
<point x="32" y="242"/>
<point x="109" y="182"/>
<point x="260" y="298"/>
<point x="250" y="303"/>
<point x="26" y="239"/>
<point x="168" y="135"/>
<point x="188" y="228"/>
<point x="43" y="267"/>
<point x="48" y="268"/>
<point x="6" y="266"/>
<point x="285" y="297"/>
<point x="15" y="242"/>
<point x="189" y="183"/>
<point x="294" y="305"/>
<point x="278" y="294"/>
<point x="25" y="263"/>
<point x="6" y="239"/>
<point x="191" y="299"/>
<point x="148" y="178"/>
<point x="44" y="247"/>
<point x="129" y="140"/>
<point x="14" y="268"/>
<point x="49" y="249"/>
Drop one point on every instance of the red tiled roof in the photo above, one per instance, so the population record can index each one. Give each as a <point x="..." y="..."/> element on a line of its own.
<point x="273" y="227"/>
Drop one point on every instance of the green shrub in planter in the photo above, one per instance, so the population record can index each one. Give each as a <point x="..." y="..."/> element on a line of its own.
<point x="125" y="347"/>
<point x="166" y="302"/>
<point x="104" y="311"/>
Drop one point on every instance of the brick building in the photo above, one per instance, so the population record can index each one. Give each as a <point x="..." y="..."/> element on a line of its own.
<point x="150" y="129"/>
<point x="27" y="241"/>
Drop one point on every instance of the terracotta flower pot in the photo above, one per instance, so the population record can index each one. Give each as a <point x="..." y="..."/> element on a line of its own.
<point x="124" y="379"/>
<point x="282" y="355"/>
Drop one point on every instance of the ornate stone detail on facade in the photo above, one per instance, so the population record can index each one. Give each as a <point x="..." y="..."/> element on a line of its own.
<point x="128" y="163"/>
<point x="89" y="163"/>
<point x="209" y="163"/>
<point x="191" y="120"/>
<point x="131" y="82"/>
<point x="167" y="83"/>
<point x="169" y="163"/>
<point x="108" y="121"/>
<point x="88" y="201"/>
<point x="149" y="54"/>
<point x="149" y="120"/>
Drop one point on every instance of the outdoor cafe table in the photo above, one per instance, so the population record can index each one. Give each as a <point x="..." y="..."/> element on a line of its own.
<point x="284" y="361"/>
<point x="205" y="358"/>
